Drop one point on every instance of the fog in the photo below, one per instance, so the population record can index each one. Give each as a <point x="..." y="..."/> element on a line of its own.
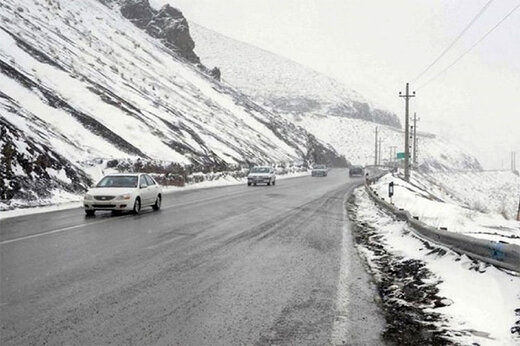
<point x="375" y="47"/>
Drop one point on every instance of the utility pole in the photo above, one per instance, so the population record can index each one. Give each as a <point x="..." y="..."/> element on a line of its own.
<point x="393" y="153"/>
<point x="375" y="152"/>
<point x="415" y="140"/>
<point x="379" y="152"/>
<point x="518" y="213"/>
<point x="407" y="97"/>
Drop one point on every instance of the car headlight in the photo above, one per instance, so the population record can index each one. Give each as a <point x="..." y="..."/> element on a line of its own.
<point x="125" y="196"/>
<point x="89" y="197"/>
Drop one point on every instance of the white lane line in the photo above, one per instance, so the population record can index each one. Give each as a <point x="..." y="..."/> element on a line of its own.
<point x="59" y="230"/>
<point x="53" y="231"/>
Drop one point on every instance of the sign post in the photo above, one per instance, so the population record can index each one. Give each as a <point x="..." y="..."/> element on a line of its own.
<point x="391" y="191"/>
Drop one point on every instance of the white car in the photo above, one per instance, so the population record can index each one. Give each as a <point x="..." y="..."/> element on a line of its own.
<point x="261" y="175"/>
<point x="123" y="192"/>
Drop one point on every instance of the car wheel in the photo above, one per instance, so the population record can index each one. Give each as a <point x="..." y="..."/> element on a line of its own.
<point x="90" y="212"/>
<point x="274" y="182"/>
<point x="269" y="183"/>
<point x="248" y="184"/>
<point x="137" y="206"/>
<point x="157" y="204"/>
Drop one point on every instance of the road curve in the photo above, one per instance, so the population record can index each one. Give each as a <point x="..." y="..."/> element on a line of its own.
<point x="221" y="266"/>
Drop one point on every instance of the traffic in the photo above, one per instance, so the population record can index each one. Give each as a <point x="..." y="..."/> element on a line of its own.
<point x="131" y="192"/>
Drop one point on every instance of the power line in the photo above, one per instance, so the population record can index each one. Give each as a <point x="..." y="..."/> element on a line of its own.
<point x="471" y="48"/>
<point x="482" y="10"/>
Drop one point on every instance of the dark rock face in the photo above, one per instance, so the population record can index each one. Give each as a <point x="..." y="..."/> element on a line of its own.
<point x="168" y="24"/>
<point x="362" y="110"/>
<point x="25" y="173"/>
<point x="215" y="73"/>
<point x="138" y="12"/>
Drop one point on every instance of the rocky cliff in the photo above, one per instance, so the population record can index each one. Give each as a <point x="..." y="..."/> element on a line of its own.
<point x="167" y="24"/>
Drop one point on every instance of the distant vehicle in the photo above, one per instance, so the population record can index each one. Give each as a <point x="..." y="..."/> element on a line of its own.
<point x="319" y="171"/>
<point x="261" y="175"/>
<point x="123" y="192"/>
<point x="355" y="171"/>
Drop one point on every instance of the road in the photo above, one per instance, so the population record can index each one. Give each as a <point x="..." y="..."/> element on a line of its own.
<point x="220" y="266"/>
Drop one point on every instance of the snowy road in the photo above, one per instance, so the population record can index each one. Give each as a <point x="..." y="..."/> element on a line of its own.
<point x="229" y="265"/>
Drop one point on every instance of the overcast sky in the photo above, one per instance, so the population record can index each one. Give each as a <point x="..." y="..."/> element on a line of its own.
<point x="376" y="46"/>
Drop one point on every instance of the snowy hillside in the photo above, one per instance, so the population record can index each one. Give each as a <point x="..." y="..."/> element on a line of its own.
<point x="436" y="207"/>
<point x="323" y="106"/>
<point x="281" y="84"/>
<point x="80" y="85"/>
<point x="490" y="192"/>
<point x="355" y="139"/>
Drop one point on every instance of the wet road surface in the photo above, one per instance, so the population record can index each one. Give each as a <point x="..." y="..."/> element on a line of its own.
<point x="220" y="266"/>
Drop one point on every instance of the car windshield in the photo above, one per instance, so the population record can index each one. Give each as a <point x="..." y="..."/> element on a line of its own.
<point x="118" y="181"/>
<point x="319" y="167"/>
<point x="260" y="170"/>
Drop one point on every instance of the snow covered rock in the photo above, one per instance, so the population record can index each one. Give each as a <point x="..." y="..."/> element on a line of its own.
<point x="168" y="24"/>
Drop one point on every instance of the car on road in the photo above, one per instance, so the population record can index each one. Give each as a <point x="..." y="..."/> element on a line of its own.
<point x="123" y="192"/>
<point x="356" y="171"/>
<point x="319" y="171"/>
<point x="261" y="175"/>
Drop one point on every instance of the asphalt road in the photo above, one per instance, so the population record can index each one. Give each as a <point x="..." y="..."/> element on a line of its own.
<point x="221" y="266"/>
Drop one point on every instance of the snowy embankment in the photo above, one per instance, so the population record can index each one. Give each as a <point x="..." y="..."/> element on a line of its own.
<point x="430" y="294"/>
<point x="495" y="192"/>
<point x="70" y="201"/>
<point x="435" y="206"/>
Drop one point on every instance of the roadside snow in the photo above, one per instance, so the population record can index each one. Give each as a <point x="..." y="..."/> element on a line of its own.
<point x="433" y="206"/>
<point x="480" y="299"/>
<point x="62" y="200"/>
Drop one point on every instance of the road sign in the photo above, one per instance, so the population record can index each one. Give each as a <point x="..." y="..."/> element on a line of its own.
<point x="400" y="155"/>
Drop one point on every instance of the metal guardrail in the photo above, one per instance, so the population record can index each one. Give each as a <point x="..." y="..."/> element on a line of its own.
<point x="500" y="254"/>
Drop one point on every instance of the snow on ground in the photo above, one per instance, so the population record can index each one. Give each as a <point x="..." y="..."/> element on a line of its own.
<point x="478" y="300"/>
<point x="492" y="191"/>
<point x="62" y="200"/>
<point x="436" y="208"/>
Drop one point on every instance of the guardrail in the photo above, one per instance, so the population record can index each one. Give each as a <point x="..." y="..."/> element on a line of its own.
<point x="500" y="254"/>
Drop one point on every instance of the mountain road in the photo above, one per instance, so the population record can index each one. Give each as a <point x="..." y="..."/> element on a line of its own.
<point x="217" y="266"/>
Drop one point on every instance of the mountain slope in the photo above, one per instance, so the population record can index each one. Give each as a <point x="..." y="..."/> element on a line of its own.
<point x="80" y="82"/>
<point x="321" y="105"/>
<point x="281" y="84"/>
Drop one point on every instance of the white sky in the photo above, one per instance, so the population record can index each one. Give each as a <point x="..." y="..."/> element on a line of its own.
<point x="374" y="47"/>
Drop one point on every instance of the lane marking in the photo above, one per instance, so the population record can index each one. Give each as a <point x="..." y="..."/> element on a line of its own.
<point x="68" y="228"/>
<point x="53" y="231"/>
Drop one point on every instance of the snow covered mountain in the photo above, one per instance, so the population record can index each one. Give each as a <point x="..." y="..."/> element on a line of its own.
<point x="84" y="84"/>
<point x="323" y="106"/>
<point x="281" y="84"/>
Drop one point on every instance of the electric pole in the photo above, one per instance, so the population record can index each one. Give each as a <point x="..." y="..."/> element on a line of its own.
<point x="375" y="152"/>
<point x="379" y="151"/>
<point x="415" y="140"/>
<point x="407" y="97"/>
<point x="518" y="213"/>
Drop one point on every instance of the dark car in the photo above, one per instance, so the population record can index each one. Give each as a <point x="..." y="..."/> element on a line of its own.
<point x="355" y="171"/>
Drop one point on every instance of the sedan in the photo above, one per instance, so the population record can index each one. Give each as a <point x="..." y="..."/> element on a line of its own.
<point x="123" y="192"/>
<point x="319" y="171"/>
<point x="261" y="175"/>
